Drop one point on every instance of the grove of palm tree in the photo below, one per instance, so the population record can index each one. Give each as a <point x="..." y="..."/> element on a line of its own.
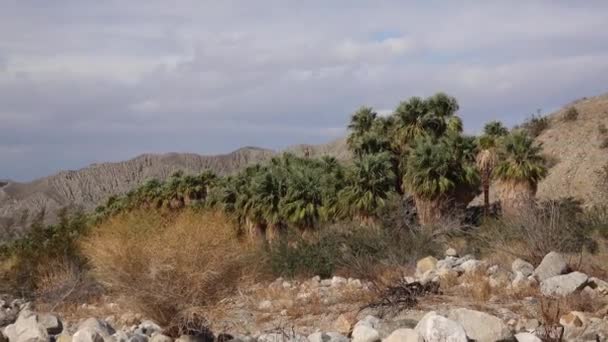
<point x="419" y="151"/>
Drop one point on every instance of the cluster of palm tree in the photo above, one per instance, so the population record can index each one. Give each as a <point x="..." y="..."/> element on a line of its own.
<point x="432" y="160"/>
<point x="178" y="191"/>
<point x="418" y="150"/>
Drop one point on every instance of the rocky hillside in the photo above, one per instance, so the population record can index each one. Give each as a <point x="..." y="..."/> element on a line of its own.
<point x="579" y="149"/>
<point x="87" y="187"/>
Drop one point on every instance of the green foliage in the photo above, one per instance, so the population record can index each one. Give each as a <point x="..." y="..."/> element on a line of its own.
<point x="521" y="160"/>
<point x="370" y="183"/>
<point x="44" y="244"/>
<point x="349" y="248"/>
<point x="437" y="167"/>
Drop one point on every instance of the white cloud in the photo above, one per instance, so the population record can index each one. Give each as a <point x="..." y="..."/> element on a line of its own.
<point x="208" y="76"/>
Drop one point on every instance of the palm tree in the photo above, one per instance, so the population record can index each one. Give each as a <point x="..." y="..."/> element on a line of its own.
<point x="361" y="122"/>
<point x="370" y="183"/>
<point x="440" y="172"/>
<point x="487" y="157"/>
<point x="519" y="171"/>
<point x="267" y="190"/>
<point x="302" y="204"/>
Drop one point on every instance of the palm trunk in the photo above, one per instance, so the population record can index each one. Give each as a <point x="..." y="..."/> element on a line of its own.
<point x="429" y="211"/>
<point x="257" y="232"/>
<point x="273" y="232"/>
<point x="516" y="198"/>
<point x="486" y="197"/>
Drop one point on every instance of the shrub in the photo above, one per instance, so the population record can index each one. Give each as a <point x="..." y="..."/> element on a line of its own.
<point x="535" y="125"/>
<point x="571" y="114"/>
<point x="552" y="226"/>
<point x="351" y="249"/>
<point x="32" y="255"/>
<point x="168" y="267"/>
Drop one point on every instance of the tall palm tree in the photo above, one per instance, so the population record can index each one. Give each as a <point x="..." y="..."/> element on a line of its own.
<point x="267" y="190"/>
<point x="302" y="204"/>
<point x="520" y="169"/>
<point x="487" y="157"/>
<point x="440" y="175"/>
<point x="370" y="183"/>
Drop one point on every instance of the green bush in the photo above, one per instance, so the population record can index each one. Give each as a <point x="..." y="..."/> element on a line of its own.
<point x="349" y="248"/>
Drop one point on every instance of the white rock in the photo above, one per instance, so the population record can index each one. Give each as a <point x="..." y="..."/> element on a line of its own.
<point x="480" y="326"/>
<point x="523" y="267"/>
<point x="326" y="282"/>
<point x="158" y="337"/>
<point x="424" y="265"/>
<point x="553" y="264"/>
<point x="404" y="335"/>
<point x="327" y="337"/>
<point x="435" y="328"/>
<point x="472" y="266"/>
<point x="87" y="335"/>
<point x="527" y="337"/>
<point x="26" y="329"/>
<point x="365" y="333"/>
<point x="338" y="281"/>
<point x="119" y="336"/>
<point x="103" y="328"/>
<point x="564" y="285"/>
<point x="148" y="328"/>
<point x="451" y="252"/>
<point x="51" y="322"/>
<point x="369" y="321"/>
<point x="265" y="305"/>
<point x="277" y="337"/>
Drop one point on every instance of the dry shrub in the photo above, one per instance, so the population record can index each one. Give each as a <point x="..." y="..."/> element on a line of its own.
<point x="553" y="226"/>
<point x="478" y="287"/>
<point x="169" y="267"/>
<point x="63" y="284"/>
<point x="550" y="313"/>
<point x="571" y="114"/>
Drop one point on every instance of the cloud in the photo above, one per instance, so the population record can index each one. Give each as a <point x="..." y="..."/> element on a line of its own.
<point x="97" y="81"/>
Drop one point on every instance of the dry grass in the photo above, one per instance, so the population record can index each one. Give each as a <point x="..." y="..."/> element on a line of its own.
<point x="169" y="267"/>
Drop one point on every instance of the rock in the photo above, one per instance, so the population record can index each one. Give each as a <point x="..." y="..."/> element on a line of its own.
<point x="573" y="319"/>
<point x="26" y="329"/>
<point x="492" y="270"/>
<point x="355" y="283"/>
<point x="451" y="252"/>
<point x="365" y="333"/>
<point x="429" y="276"/>
<point x="463" y="259"/>
<point x="600" y="286"/>
<point x="527" y="337"/>
<point x="480" y="326"/>
<point x="87" y="334"/>
<point x="148" y="328"/>
<point x="63" y="338"/>
<point x="51" y="322"/>
<point x="553" y="264"/>
<point x="446" y="264"/>
<point x="564" y="285"/>
<point x="326" y="282"/>
<point x="472" y="266"/>
<point x="338" y="281"/>
<point x="435" y="328"/>
<point x="404" y="335"/>
<point x="119" y="336"/>
<point x="426" y="264"/>
<point x="527" y="325"/>
<point x="327" y="337"/>
<point x="197" y="338"/>
<point x="138" y="338"/>
<point x="523" y="267"/>
<point x="369" y="321"/>
<point x="277" y="337"/>
<point x="344" y="323"/>
<point x="102" y="327"/>
<point x="521" y="280"/>
<point x="265" y="305"/>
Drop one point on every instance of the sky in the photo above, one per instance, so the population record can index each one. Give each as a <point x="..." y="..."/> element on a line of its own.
<point x="86" y="81"/>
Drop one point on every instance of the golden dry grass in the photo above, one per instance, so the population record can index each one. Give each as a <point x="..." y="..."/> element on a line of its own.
<point x="169" y="267"/>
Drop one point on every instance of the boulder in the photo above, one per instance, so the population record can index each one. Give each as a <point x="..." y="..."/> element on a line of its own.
<point x="600" y="286"/>
<point x="88" y="334"/>
<point x="564" y="285"/>
<point x="553" y="264"/>
<point x="480" y="326"/>
<point x="472" y="266"/>
<point x="522" y="267"/>
<point x="265" y="305"/>
<point x="63" y="338"/>
<point x="119" y="336"/>
<point x="102" y="327"/>
<point x="435" y="328"/>
<point x="138" y="338"/>
<point x="426" y="264"/>
<point x="338" y="281"/>
<point x="26" y="329"/>
<point x="365" y="333"/>
<point x="327" y="337"/>
<point x="278" y="337"/>
<point x="404" y="335"/>
<point x="369" y="321"/>
<point x="527" y="337"/>
<point x="148" y="328"/>
<point x="51" y="322"/>
<point x="451" y="252"/>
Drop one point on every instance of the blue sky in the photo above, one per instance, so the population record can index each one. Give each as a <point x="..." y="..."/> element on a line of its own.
<point x="92" y="81"/>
